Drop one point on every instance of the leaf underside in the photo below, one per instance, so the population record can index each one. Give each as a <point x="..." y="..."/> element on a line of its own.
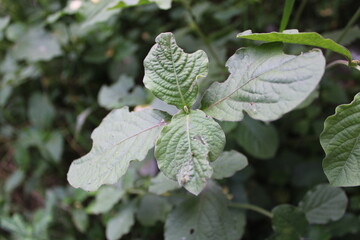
<point x="186" y="146"/>
<point x="121" y="137"/>
<point x="171" y="75"/>
<point x="341" y="143"/>
<point x="264" y="82"/>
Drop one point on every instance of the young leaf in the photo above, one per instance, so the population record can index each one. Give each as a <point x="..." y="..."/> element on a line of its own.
<point x="121" y="223"/>
<point x="340" y="141"/>
<point x="323" y="204"/>
<point x="288" y="222"/>
<point x="293" y="36"/>
<point x="106" y="198"/>
<point x="186" y="146"/>
<point x="161" y="184"/>
<point x="258" y="139"/>
<point x="228" y="164"/>
<point x="122" y="136"/>
<point x="171" y="74"/>
<point x="264" y="82"/>
<point x="206" y="217"/>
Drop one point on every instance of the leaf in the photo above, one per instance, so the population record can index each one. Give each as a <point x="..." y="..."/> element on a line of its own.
<point x="122" y="136"/>
<point x="80" y="219"/>
<point x="294" y="36"/>
<point x="105" y="200"/>
<point x="120" y="94"/>
<point x="54" y="146"/>
<point x="36" y="45"/>
<point x="264" y="82"/>
<point x="162" y="4"/>
<point x="228" y="164"/>
<point x="4" y="21"/>
<point x="258" y="139"/>
<point x="40" y="111"/>
<point x="186" y="146"/>
<point x="121" y="223"/>
<point x="288" y="8"/>
<point x="152" y="208"/>
<point x="351" y="35"/>
<point x="324" y="203"/>
<point x="161" y="184"/>
<point x="340" y="141"/>
<point x="171" y="74"/>
<point x="288" y="222"/>
<point x="205" y="217"/>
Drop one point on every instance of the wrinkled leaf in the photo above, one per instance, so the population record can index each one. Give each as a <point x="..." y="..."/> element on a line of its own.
<point x="205" y="217"/>
<point x="228" y="164"/>
<point x="324" y="203"/>
<point x="294" y="36"/>
<point x="340" y="141"/>
<point x="197" y="139"/>
<point x="171" y="74"/>
<point x="122" y="136"/>
<point x="264" y="82"/>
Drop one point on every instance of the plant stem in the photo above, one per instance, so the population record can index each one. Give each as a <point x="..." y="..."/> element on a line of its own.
<point x="202" y="35"/>
<point x="253" y="208"/>
<point x="298" y="13"/>
<point x="353" y="19"/>
<point x="349" y="24"/>
<point x="289" y="5"/>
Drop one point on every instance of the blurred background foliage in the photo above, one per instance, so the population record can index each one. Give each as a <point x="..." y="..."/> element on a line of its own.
<point x="65" y="64"/>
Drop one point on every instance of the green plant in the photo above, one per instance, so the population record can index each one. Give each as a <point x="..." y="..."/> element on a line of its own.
<point x="264" y="83"/>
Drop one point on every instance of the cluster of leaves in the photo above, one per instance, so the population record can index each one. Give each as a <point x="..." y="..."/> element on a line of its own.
<point x="64" y="63"/>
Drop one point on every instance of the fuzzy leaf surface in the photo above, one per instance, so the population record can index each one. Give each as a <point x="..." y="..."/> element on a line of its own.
<point x="171" y="74"/>
<point x="294" y="36"/>
<point x="186" y="146"/>
<point x="121" y="137"/>
<point x="264" y="82"/>
<point x="205" y="217"/>
<point x="340" y="140"/>
<point x="324" y="203"/>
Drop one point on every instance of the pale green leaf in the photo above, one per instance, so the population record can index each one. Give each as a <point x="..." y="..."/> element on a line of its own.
<point x="4" y="21"/>
<point x="122" y="136"/>
<point x="40" y="111"/>
<point x="152" y="208"/>
<point x="14" y="180"/>
<point x="106" y="198"/>
<point x="288" y="222"/>
<point x="80" y="219"/>
<point x="36" y="45"/>
<point x="171" y="74"/>
<point x="162" y="4"/>
<point x="121" y="223"/>
<point x="161" y="184"/>
<point x="294" y="36"/>
<point x="324" y="203"/>
<point x="264" y="82"/>
<point x="258" y="139"/>
<point x="186" y="146"/>
<point x="205" y="217"/>
<point x="228" y="164"/>
<point x="340" y="141"/>
<point x="122" y="93"/>
<point x="54" y="145"/>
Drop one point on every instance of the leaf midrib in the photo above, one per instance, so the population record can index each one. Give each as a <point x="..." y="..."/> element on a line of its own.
<point x="250" y="80"/>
